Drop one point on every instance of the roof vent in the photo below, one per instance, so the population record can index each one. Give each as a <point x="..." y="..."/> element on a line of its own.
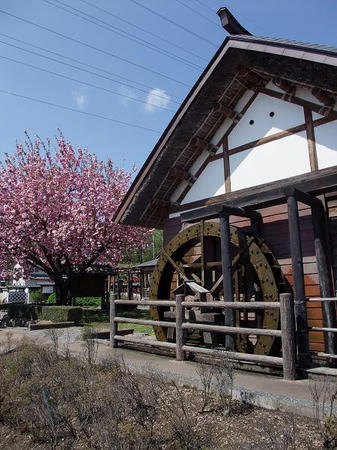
<point x="230" y="24"/>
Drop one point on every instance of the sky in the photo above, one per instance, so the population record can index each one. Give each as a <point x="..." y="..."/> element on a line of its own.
<point x="130" y="62"/>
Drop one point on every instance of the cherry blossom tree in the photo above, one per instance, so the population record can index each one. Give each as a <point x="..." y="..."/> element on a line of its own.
<point x="57" y="212"/>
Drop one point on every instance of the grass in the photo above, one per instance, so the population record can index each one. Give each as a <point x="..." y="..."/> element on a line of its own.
<point x="100" y="319"/>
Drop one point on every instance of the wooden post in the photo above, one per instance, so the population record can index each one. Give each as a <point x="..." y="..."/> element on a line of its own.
<point x="299" y="293"/>
<point x="226" y="259"/>
<point x="256" y="222"/>
<point x="288" y="336"/>
<point x="179" y="330"/>
<point x="328" y="308"/>
<point x="113" y="324"/>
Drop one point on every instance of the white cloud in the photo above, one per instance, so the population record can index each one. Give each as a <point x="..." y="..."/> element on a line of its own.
<point x="156" y="99"/>
<point x="128" y="95"/>
<point x="80" y="98"/>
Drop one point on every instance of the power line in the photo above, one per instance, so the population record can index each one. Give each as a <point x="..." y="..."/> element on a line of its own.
<point x="112" y="55"/>
<point x="72" y="66"/>
<point x="198" y="13"/>
<point x="174" y="23"/>
<point x="68" y="108"/>
<point x="204" y="5"/>
<point x="248" y="19"/>
<point x="78" y="81"/>
<point x="150" y="33"/>
<point x="107" y="26"/>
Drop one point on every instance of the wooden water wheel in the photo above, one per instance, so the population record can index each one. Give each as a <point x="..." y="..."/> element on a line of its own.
<point x="195" y="253"/>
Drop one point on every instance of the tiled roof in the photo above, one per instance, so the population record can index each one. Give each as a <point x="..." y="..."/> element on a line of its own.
<point x="288" y="43"/>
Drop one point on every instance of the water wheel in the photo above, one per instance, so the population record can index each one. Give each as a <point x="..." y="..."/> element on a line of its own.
<point x="195" y="253"/>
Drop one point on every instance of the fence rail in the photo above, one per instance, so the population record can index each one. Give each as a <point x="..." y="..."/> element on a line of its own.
<point x="287" y="332"/>
<point x="330" y="356"/>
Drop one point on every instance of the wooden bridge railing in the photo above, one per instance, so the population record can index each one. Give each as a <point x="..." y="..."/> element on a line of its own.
<point x="287" y="332"/>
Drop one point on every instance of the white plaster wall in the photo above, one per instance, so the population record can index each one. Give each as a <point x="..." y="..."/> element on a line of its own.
<point x="305" y="94"/>
<point x="243" y="100"/>
<point x="273" y="161"/>
<point x="221" y="131"/>
<point x="326" y="145"/>
<point x="198" y="162"/>
<point x="286" y="116"/>
<point x="228" y="122"/>
<point x="270" y="85"/>
<point x="211" y="182"/>
<point x="179" y="190"/>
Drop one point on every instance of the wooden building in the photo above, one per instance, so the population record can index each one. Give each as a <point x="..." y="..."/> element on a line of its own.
<point x="254" y="143"/>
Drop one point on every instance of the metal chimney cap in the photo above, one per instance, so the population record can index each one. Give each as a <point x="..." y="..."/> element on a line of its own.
<point x="230" y="24"/>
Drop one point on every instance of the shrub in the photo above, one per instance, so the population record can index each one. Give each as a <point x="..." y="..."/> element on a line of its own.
<point x="52" y="299"/>
<point x="61" y="313"/>
<point x="36" y="296"/>
<point x="88" y="302"/>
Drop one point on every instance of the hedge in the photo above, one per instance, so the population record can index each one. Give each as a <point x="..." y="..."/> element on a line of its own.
<point x="88" y="302"/>
<point x="44" y="312"/>
<point x="61" y="313"/>
<point x="85" y="302"/>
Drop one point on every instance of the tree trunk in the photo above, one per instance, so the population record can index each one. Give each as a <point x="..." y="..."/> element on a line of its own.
<point x="62" y="291"/>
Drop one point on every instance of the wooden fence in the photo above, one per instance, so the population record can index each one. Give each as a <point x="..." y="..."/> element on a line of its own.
<point x="287" y="332"/>
<point x="329" y="332"/>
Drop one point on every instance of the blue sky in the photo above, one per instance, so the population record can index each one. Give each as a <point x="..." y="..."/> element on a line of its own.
<point x="154" y="104"/>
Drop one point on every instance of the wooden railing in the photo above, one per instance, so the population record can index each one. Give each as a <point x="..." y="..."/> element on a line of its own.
<point x="287" y="332"/>
<point x="324" y="329"/>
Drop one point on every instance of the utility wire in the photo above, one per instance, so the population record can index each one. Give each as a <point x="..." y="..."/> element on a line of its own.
<point x="68" y="108"/>
<point x="248" y="19"/>
<point x="198" y="13"/>
<point x="112" y="55"/>
<point x="75" y="67"/>
<point x="150" y="33"/>
<point x="78" y="81"/>
<point x="204" y="5"/>
<point x="167" y="19"/>
<point x="107" y="26"/>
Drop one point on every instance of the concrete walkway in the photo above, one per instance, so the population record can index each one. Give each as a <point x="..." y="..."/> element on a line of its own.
<point x="262" y="390"/>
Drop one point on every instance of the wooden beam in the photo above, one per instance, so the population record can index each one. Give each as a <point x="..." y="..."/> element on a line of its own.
<point x="226" y="259"/>
<point x="227" y="112"/>
<point x="298" y="275"/>
<point x="311" y="138"/>
<point x="182" y="175"/>
<point x="242" y="113"/>
<point x="288" y="88"/>
<point x="269" y="194"/>
<point x="324" y="274"/>
<point x="324" y="97"/>
<point x="299" y="101"/>
<point x="227" y="172"/>
<point x="251" y="78"/>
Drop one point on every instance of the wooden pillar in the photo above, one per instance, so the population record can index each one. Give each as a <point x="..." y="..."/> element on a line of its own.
<point x="298" y="276"/>
<point x="113" y="324"/>
<point x="288" y="336"/>
<point x="328" y="308"/>
<point x="141" y="284"/>
<point x="179" y="329"/>
<point x="226" y="259"/>
<point x="256" y="222"/>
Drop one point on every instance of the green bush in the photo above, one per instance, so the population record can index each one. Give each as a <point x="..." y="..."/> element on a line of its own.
<point x="36" y="296"/>
<point x="61" y="313"/>
<point x="88" y="302"/>
<point x="52" y="299"/>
